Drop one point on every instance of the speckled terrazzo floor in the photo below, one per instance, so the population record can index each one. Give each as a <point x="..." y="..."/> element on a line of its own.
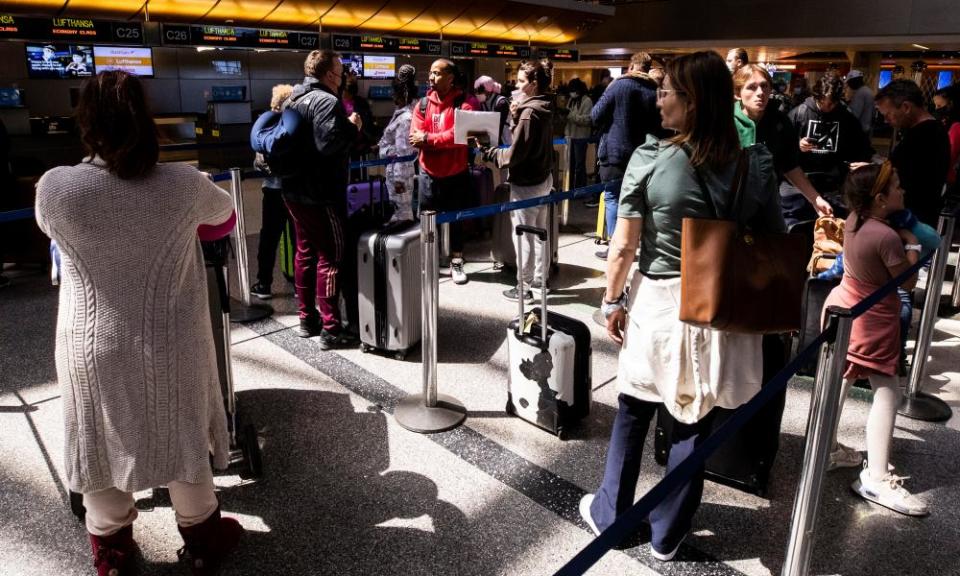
<point x="348" y="491"/>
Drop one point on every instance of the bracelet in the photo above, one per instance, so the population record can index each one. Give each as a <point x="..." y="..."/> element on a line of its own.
<point x="913" y="247"/>
<point x="608" y="308"/>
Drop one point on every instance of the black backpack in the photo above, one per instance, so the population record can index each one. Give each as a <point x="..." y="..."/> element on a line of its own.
<point x="457" y="102"/>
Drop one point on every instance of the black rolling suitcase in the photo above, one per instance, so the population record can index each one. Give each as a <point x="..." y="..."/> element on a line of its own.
<point x="744" y="461"/>
<point x="550" y="370"/>
<point x="815" y="294"/>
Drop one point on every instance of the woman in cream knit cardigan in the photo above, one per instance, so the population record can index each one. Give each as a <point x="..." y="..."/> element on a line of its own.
<point x="134" y="353"/>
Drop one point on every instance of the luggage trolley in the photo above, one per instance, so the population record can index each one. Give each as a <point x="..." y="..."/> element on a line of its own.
<point x="245" y="457"/>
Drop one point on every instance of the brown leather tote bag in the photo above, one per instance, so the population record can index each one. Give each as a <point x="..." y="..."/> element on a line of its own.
<point x="735" y="279"/>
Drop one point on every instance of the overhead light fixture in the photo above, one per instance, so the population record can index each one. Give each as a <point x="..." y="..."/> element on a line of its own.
<point x="205" y="48"/>
<point x="921" y="47"/>
<point x="542" y="19"/>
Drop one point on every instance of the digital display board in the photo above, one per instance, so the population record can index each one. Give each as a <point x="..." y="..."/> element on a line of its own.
<point x="59" y="61"/>
<point x="133" y="60"/>
<point x="379" y="67"/>
<point x="385" y="44"/>
<point x="232" y="36"/>
<point x="70" y="29"/>
<point x="559" y="54"/>
<point x="486" y="49"/>
<point x="353" y="64"/>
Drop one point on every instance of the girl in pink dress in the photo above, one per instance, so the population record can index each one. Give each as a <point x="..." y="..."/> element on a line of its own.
<point x="873" y="254"/>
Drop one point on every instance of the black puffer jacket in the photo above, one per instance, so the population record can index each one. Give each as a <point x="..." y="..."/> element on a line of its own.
<point x="323" y="178"/>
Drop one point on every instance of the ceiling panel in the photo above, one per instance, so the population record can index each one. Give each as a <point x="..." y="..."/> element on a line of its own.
<point x="350" y="13"/>
<point x="178" y="10"/>
<point x="506" y="20"/>
<point x="239" y="11"/>
<point x="396" y="15"/>
<point x="297" y="13"/>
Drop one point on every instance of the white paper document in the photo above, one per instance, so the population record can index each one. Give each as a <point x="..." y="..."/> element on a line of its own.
<point x="469" y="122"/>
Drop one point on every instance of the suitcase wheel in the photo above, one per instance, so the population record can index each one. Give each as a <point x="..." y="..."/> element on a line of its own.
<point x="562" y="434"/>
<point x="253" y="460"/>
<point x="400" y="355"/>
<point x="76" y="505"/>
<point x="366" y="348"/>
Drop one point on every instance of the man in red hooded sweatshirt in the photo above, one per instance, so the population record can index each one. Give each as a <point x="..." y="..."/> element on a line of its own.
<point x="443" y="161"/>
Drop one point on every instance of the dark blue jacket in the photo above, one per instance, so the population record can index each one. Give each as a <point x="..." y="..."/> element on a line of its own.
<point x="624" y="115"/>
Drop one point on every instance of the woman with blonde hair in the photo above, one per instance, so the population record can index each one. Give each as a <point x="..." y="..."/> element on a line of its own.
<point x="274" y="212"/>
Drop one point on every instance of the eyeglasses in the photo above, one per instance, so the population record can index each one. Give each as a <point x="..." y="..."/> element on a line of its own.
<point x="662" y="92"/>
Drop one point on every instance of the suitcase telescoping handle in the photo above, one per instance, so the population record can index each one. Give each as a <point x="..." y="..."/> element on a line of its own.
<point x="541" y="235"/>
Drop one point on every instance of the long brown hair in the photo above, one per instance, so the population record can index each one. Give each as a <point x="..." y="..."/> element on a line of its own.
<point x="706" y="85"/>
<point x="116" y="124"/>
<point x="539" y="71"/>
<point x="862" y="187"/>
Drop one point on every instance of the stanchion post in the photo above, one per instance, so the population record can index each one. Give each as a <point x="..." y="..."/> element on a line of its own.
<point x="566" y="163"/>
<point x="824" y="413"/>
<point x="429" y="412"/>
<point x="955" y="294"/>
<point x="916" y="404"/>
<point x="247" y="312"/>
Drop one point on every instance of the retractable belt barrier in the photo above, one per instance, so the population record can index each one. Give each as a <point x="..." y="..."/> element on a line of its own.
<point x="629" y="521"/>
<point x="14" y="215"/>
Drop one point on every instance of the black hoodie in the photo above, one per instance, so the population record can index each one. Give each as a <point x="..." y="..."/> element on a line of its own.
<point x="530" y="157"/>
<point x="840" y="137"/>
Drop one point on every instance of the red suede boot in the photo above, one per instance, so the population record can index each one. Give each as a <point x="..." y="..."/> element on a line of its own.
<point x="113" y="555"/>
<point x="208" y="543"/>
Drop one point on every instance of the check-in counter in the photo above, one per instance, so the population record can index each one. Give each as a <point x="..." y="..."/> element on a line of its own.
<point x="224" y="146"/>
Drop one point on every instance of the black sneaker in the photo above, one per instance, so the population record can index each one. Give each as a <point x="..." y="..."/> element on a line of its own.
<point x="329" y="340"/>
<point x="308" y="328"/>
<point x="602" y="254"/>
<point x="511" y="294"/>
<point x="261" y="291"/>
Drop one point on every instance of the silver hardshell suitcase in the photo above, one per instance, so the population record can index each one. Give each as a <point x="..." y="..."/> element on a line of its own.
<point x="388" y="281"/>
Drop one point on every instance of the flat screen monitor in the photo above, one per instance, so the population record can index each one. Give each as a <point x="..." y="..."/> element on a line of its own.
<point x="886" y="76"/>
<point x="379" y="67"/>
<point x="59" y="61"/>
<point x="133" y="60"/>
<point x="11" y="98"/>
<point x="353" y="64"/>
<point x="227" y="67"/>
<point x="944" y="79"/>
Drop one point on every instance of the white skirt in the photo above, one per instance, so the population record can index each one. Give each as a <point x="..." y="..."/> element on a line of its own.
<point x="689" y="369"/>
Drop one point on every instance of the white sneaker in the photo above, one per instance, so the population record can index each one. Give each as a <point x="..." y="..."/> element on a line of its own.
<point x="456" y="271"/>
<point x="844" y="457"/>
<point x="585" y="504"/>
<point x="889" y="492"/>
<point x="666" y="556"/>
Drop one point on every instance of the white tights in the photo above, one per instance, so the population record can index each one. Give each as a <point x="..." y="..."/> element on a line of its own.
<point x="111" y="509"/>
<point x="883" y="413"/>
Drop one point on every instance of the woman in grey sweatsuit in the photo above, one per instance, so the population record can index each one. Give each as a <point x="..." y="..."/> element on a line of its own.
<point x="530" y="161"/>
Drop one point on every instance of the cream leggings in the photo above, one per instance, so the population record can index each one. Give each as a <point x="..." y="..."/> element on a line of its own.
<point x="111" y="509"/>
<point x="883" y="414"/>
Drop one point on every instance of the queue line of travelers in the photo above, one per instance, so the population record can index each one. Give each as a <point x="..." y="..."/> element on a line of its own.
<point x="707" y="116"/>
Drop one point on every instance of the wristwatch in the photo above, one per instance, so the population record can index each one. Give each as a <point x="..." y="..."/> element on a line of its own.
<point x="608" y="308"/>
<point x="913" y="247"/>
